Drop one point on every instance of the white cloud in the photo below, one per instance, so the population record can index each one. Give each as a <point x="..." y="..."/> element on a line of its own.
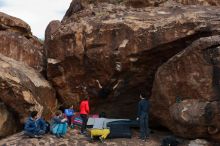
<point x="37" y="13"/>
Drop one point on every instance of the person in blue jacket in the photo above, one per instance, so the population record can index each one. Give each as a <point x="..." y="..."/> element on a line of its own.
<point x="34" y="126"/>
<point x="59" y="124"/>
<point x="69" y="114"/>
<point x="143" y="111"/>
<point x="42" y="124"/>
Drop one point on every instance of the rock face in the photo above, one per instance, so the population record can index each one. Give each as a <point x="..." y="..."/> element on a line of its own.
<point x="199" y="142"/>
<point x="22" y="90"/>
<point x="199" y="2"/>
<point x="185" y="95"/>
<point x="8" y="122"/>
<point x="150" y="3"/>
<point x="121" y="48"/>
<point x="18" y="43"/>
<point x="147" y="3"/>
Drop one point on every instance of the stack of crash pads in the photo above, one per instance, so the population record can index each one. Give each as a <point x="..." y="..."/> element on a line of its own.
<point x="119" y="128"/>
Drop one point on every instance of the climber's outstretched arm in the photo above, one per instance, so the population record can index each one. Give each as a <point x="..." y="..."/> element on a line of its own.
<point x="100" y="86"/>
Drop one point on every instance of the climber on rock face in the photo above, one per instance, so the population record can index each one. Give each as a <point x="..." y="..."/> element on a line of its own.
<point x="106" y="90"/>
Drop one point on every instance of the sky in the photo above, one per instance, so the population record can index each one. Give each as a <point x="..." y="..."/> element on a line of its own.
<point x="37" y="13"/>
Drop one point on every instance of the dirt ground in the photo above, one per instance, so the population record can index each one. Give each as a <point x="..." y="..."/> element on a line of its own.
<point x="73" y="138"/>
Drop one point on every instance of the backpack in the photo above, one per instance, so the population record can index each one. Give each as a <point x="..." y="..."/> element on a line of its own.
<point x="169" y="141"/>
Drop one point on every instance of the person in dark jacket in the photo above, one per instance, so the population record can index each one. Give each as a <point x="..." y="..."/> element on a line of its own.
<point x="34" y="126"/>
<point x="42" y="124"/>
<point x="59" y="124"/>
<point x="143" y="110"/>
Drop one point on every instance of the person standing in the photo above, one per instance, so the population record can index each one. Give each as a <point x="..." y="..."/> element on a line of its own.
<point x="143" y="111"/>
<point x="84" y="111"/>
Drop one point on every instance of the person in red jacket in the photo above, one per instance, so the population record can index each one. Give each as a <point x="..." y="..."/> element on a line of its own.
<point x="84" y="111"/>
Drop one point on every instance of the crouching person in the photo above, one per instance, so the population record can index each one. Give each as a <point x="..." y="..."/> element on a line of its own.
<point x="69" y="114"/>
<point x="35" y="126"/>
<point x="99" y="128"/>
<point x="59" y="124"/>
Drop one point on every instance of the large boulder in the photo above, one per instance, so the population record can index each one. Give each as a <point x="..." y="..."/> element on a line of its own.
<point x="186" y="91"/>
<point x="22" y="90"/>
<point x="121" y="48"/>
<point x="17" y="42"/>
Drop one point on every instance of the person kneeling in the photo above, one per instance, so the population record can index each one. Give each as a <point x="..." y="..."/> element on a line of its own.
<point x="34" y="126"/>
<point x="99" y="128"/>
<point x="59" y="124"/>
<point x="69" y="112"/>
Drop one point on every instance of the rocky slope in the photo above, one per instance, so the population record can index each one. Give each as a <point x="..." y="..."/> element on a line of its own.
<point x="121" y="48"/>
